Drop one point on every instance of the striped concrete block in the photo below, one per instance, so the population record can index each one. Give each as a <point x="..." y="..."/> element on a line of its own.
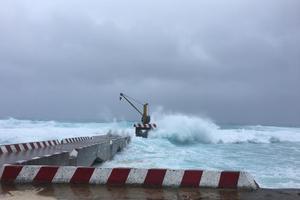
<point x="124" y="176"/>
<point x="75" y="139"/>
<point x="140" y="125"/>
<point x="12" y="148"/>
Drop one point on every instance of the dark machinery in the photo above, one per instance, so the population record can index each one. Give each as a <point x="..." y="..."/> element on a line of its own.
<point x="141" y="129"/>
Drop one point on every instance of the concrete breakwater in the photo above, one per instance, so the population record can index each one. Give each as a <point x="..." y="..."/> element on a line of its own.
<point x="84" y="151"/>
<point x="70" y="161"/>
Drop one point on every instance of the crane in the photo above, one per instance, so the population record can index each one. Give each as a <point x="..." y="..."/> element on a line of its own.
<point x="141" y="130"/>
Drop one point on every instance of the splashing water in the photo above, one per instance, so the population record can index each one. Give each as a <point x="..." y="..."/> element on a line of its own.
<point x="182" y="129"/>
<point x="271" y="154"/>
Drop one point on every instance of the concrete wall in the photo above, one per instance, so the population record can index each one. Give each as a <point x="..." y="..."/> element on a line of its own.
<point x="84" y="156"/>
<point x="99" y="152"/>
<point x="61" y="159"/>
<point x="128" y="176"/>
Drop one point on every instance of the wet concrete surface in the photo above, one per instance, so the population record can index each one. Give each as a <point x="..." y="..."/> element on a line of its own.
<point x="73" y="191"/>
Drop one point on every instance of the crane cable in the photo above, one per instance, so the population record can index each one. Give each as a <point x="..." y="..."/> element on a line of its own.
<point x="133" y="99"/>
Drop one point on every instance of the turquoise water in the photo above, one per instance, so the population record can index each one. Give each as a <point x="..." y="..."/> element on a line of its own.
<point x="270" y="154"/>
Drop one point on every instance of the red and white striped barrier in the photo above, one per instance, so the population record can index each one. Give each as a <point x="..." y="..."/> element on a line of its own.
<point x="12" y="148"/>
<point x="140" y="125"/>
<point x="124" y="176"/>
<point x="76" y="139"/>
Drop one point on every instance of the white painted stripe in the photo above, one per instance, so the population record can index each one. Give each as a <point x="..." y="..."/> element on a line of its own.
<point x="42" y="145"/>
<point x="210" y="179"/>
<point x="173" y="178"/>
<point x="13" y="148"/>
<point x="246" y="180"/>
<point x="22" y="147"/>
<point x="4" y="150"/>
<point x="137" y="176"/>
<point x="27" y="173"/>
<point x="28" y="146"/>
<point x="100" y="175"/>
<point x="64" y="174"/>
<point x="35" y="145"/>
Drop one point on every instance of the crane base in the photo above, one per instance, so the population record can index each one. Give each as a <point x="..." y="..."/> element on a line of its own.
<point x="142" y="132"/>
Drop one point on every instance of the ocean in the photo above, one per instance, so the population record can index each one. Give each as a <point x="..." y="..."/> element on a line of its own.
<point x="271" y="154"/>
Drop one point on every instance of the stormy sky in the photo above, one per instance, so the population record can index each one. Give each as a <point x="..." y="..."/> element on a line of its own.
<point x="233" y="61"/>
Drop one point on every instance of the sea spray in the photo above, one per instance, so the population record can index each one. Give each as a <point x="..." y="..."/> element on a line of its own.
<point x="184" y="129"/>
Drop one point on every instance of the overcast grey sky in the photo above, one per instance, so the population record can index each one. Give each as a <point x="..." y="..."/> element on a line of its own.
<point x="233" y="61"/>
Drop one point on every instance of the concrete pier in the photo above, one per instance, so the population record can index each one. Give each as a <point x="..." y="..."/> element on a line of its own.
<point x="71" y="151"/>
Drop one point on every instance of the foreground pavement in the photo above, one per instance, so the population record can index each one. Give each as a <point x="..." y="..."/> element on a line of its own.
<point x="77" y="191"/>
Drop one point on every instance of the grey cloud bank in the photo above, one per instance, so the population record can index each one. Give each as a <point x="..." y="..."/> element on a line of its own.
<point x="234" y="61"/>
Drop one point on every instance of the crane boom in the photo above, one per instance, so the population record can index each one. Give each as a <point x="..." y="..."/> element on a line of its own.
<point x="145" y="116"/>
<point x="122" y="96"/>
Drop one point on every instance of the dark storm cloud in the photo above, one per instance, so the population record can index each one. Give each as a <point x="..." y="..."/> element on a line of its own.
<point x="235" y="61"/>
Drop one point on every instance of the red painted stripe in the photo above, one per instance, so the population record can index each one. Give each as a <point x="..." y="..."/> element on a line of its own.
<point x="45" y="144"/>
<point x="10" y="173"/>
<point x="118" y="176"/>
<point x="32" y="145"/>
<point x="191" y="178"/>
<point x="17" y="147"/>
<point x="25" y="146"/>
<point x="39" y="144"/>
<point x="9" y="150"/>
<point x="82" y="175"/>
<point x="155" y="177"/>
<point x="45" y="174"/>
<point x="229" y="179"/>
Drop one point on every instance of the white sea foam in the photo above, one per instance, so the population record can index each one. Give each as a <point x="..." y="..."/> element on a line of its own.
<point x="18" y="131"/>
<point x="184" y="129"/>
